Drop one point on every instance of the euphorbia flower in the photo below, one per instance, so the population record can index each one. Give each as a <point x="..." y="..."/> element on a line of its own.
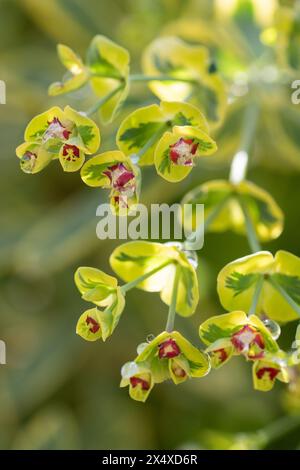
<point x="113" y="170"/>
<point x="103" y="291"/>
<point x="64" y="134"/>
<point x="172" y="57"/>
<point x="170" y="355"/>
<point x="143" y="124"/>
<point x="267" y="370"/>
<point x="176" y="151"/>
<point x="226" y="199"/>
<point x="107" y="68"/>
<point x="137" y="258"/>
<point x="275" y="278"/>
<point x="234" y="334"/>
<point x="78" y="71"/>
<point x="139" y="379"/>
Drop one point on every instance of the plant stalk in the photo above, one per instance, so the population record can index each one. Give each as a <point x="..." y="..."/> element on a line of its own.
<point x="102" y="101"/>
<point x="172" y="308"/>
<point x="138" y="280"/>
<point x="251" y="234"/>
<point x="160" y="78"/>
<point x="285" y="295"/>
<point x="257" y="292"/>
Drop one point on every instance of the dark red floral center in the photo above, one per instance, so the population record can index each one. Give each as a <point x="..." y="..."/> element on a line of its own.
<point x="178" y="371"/>
<point x="94" y="324"/>
<point x="272" y="371"/>
<point x="71" y="152"/>
<point x="56" y="130"/>
<point x="121" y="178"/>
<point x="168" y="349"/>
<point x="135" y="381"/>
<point x="183" y="151"/>
<point x="221" y="354"/>
<point x="249" y="341"/>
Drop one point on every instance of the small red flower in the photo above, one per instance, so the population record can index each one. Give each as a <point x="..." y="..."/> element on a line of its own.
<point x="56" y="130"/>
<point x="135" y="381"/>
<point x="71" y="152"/>
<point x="168" y="349"/>
<point x="221" y="354"/>
<point x="267" y="370"/>
<point x="183" y="151"/>
<point x="94" y="324"/>
<point x="249" y="341"/>
<point x="120" y="177"/>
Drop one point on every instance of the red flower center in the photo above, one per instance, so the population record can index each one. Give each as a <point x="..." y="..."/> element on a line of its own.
<point x="168" y="349"/>
<point x="178" y="371"/>
<point x="221" y="354"/>
<point x="94" y="324"/>
<point x="137" y="381"/>
<point x="121" y="179"/>
<point x="249" y="341"/>
<point x="56" y="130"/>
<point x="183" y="151"/>
<point x="71" y="152"/>
<point x="272" y="371"/>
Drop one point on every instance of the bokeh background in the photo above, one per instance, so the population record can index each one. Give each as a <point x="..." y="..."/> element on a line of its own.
<point x="57" y="391"/>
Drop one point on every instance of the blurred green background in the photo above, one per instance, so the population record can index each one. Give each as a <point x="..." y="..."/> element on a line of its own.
<point x="57" y="391"/>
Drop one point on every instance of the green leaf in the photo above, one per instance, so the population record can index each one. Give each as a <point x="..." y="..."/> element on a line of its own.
<point x="99" y="65"/>
<point x="124" y="257"/>
<point x="291" y="284"/>
<point x="94" y="172"/>
<point x="215" y="332"/>
<point x="86" y="133"/>
<point x="38" y="134"/>
<point x="165" y="164"/>
<point x="240" y="282"/>
<point x="139" y="136"/>
<point x="203" y="145"/>
<point x="181" y="120"/>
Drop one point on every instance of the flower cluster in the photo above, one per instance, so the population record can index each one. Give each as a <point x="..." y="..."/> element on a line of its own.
<point x="237" y="334"/>
<point x="168" y="356"/>
<point x="257" y="290"/>
<point x="103" y="291"/>
<point x="58" y="134"/>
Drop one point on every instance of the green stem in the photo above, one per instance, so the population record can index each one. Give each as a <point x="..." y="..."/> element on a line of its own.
<point x="284" y="294"/>
<point x="103" y="100"/>
<point x="138" y="280"/>
<point x="239" y="164"/>
<point x="172" y="308"/>
<point x="250" y="124"/>
<point x="256" y="295"/>
<point x="104" y="75"/>
<point x="160" y="78"/>
<point x="251" y="234"/>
